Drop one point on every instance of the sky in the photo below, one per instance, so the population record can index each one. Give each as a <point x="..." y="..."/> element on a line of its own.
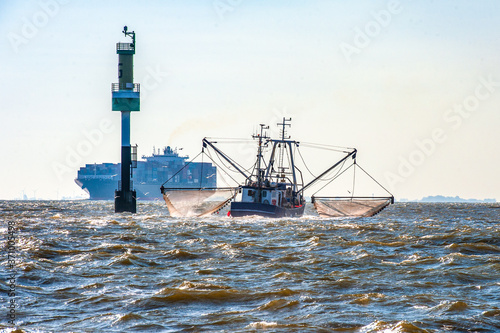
<point x="413" y="85"/>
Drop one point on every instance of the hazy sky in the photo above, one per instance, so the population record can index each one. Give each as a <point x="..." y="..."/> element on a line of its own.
<point x="413" y="85"/>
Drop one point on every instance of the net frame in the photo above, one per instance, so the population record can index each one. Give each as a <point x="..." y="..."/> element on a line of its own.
<point x="350" y="206"/>
<point x="197" y="202"/>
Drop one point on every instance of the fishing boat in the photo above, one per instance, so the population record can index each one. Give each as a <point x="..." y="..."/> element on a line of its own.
<point x="273" y="187"/>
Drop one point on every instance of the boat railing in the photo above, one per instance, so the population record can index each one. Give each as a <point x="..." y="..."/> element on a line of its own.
<point x="125" y="47"/>
<point x="134" y="87"/>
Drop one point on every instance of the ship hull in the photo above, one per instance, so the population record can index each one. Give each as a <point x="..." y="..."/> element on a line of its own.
<point x="240" y="209"/>
<point x="98" y="189"/>
<point x="104" y="189"/>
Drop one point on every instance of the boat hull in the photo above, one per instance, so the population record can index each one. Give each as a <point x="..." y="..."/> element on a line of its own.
<point x="240" y="209"/>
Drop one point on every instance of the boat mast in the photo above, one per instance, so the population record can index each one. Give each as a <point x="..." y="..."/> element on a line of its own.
<point x="281" y="168"/>
<point x="282" y="145"/>
<point x="261" y="136"/>
<point x="260" y="172"/>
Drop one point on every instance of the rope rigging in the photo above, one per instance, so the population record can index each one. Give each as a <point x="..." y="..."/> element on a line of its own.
<point x="185" y="165"/>
<point x="307" y="168"/>
<point x="218" y="167"/>
<point x="327" y="147"/>
<point x="305" y="164"/>
<point x="339" y="173"/>
<point x="375" y="180"/>
<point x="234" y="162"/>
<point x="355" y="165"/>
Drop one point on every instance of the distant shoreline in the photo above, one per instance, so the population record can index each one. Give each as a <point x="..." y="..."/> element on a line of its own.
<point x="440" y="198"/>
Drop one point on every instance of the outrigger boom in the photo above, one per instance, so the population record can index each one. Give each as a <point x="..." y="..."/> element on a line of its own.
<point x="224" y="156"/>
<point x="312" y="182"/>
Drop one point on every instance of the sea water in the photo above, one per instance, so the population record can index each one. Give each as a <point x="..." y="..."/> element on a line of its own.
<point x="80" y="267"/>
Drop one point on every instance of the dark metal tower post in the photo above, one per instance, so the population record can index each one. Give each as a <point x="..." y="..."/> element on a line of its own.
<point x="125" y="98"/>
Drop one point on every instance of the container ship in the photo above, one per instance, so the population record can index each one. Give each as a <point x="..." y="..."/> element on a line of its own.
<point x="101" y="180"/>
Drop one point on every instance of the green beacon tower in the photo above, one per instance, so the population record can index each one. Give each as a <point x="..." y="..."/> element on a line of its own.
<point x="126" y="98"/>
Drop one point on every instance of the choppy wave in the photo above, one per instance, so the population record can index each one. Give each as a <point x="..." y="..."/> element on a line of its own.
<point x="412" y="268"/>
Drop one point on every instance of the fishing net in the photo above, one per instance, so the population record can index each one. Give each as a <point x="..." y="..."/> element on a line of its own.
<point x="196" y="202"/>
<point x="350" y="207"/>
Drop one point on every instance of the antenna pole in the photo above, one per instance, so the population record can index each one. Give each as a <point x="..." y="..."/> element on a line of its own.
<point x="260" y="172"/>
<point x="282" y="147"/>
